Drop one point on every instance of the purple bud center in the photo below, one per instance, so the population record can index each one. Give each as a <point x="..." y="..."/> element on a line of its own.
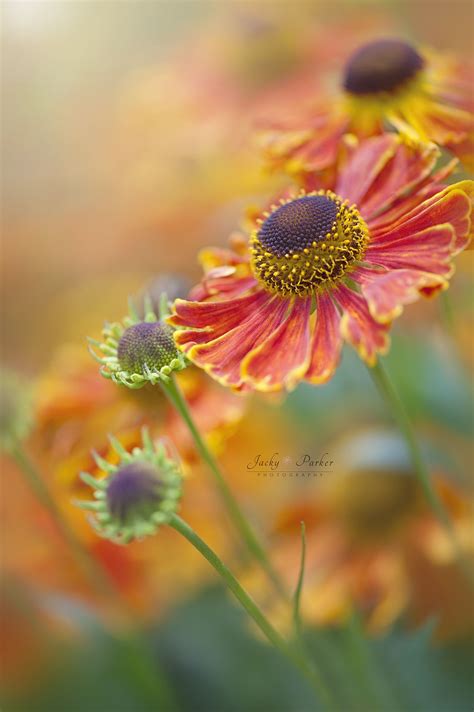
<point x="134" y="491"/>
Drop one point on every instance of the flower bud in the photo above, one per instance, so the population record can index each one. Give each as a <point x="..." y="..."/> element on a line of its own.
<point x="137" y="351"/>
<point x="139" y="494"/>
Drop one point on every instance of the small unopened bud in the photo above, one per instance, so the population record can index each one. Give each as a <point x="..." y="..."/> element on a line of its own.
<point x="139" y="494"/>
<point x="138" y="351"/>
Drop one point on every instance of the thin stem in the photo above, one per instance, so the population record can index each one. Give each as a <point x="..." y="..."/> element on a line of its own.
<point x="448" y="321"/>
<point x="292" y="653"/>
<point x="299" y="585"/>
<point x="390" y="395"/>
<point x="238" y="518"/>
<point x="145" y="670"/>
<point x="94" y="572"/>
<point x="379" y="696"/>
<point x="447" y="312"/>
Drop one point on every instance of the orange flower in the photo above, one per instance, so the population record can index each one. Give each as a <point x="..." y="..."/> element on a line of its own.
<point x="422" y="95"/>
<point x="373" y="543"/>
<point x="327" y="266"/>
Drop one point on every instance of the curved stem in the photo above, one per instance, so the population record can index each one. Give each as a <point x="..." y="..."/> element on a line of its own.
<point x="239" y="520"/>
<point x="390" y="395"/>
<point x="272" y="635"/>
<point x="149" y="677"/>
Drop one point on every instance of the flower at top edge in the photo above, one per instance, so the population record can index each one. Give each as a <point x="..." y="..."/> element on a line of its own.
<point x="139" y="494"/>
<point x="138" y="351"/>
<point x="322" y="267"/>
<point x="386" y="83"/>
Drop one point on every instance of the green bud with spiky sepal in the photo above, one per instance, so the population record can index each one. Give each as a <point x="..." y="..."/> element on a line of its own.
<point x="137" y="351"/>
<point x="139" y="494"/>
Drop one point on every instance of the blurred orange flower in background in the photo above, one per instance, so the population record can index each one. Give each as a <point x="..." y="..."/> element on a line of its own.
<point x="373" y="544"/>
<point x="387" y="82"/>
<point x="76" y="409"/>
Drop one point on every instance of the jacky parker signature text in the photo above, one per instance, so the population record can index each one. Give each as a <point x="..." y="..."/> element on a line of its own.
<point x="304" y="464"/>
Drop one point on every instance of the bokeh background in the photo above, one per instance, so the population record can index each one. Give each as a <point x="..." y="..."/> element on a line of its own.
<point x="128" y="145"/>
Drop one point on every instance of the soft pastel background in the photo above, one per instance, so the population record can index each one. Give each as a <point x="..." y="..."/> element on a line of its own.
<point x="127" y="146"/>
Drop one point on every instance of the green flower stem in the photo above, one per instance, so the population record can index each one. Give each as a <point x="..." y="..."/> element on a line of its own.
<point x="94" y="572"/>
<point x="144" y="669"/>
<point x="389" y="393"/>
<point x="447" y="315"/>
<point x="369" y="677"/>
<point x="241" y="524"/>
<point x="447" y="312"/>
<point x="286" y="648"/>
<point x="149" y="678"/>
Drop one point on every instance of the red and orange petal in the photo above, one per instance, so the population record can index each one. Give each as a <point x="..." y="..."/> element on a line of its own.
<point x="268" y="343"/>
<point x="389" y="293"/>
<point x="287" y="347"/>
<point x="452" y="206"/>
<point x="378" y="171"/>
<point x="216" y="282"/>
<point x="327" y="342"/>
<point x="220" y="263"/>
<point x="390" y="182"/>
<point x="358" y="326"/>
<point x="222" y="356"/>
<point x="310" y="144"/>
<point x="449" y="117"/>
<point x="209" y="321"/>
<point x="413" y="237"/>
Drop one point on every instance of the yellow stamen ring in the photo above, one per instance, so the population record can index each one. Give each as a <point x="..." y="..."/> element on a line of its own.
<point x="313" y="240"/>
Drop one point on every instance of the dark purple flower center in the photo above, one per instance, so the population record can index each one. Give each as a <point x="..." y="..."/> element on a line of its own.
<point x="146" y="344"/>
<point x="311" y="241"/>
<point x="298" y="224"/>
<point x="381" y="66"/>
<point x="134" y="491"/>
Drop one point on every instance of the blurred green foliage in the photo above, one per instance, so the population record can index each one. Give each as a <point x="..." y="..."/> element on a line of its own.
<point x="214" y="664"/>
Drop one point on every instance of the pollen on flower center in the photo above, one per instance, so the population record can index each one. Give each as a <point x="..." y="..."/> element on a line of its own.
<point x="381" y="66"/>
<point x="146" y="345"/>
<point x="307" y="242"/>
<point x="133" y="492"/>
